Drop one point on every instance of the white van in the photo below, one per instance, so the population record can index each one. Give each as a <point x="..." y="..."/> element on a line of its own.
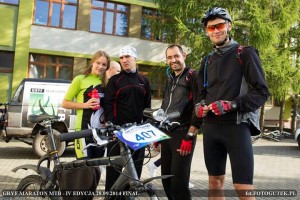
<point x="36" y="97"/>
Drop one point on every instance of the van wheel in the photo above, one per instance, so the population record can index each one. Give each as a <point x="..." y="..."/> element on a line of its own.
<point x="298" y="139"/>
<point x="41" y="144"/>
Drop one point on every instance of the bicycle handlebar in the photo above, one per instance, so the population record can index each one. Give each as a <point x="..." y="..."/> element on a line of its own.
<point x="173" y="115"/>
<point x="72" y="136"/>
<point x="107" y="133"/>
<point x="102" y="133"/>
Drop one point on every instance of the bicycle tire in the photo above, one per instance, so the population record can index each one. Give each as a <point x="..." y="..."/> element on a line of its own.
<point x="268" y="137"/>
<point x="34" y="183"/>
<point x="287" y="135"/>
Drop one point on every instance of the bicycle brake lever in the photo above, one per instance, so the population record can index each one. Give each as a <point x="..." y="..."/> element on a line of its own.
<point x="171" y="123"/>
<point x="90" y="145"/>
<point x="97" y="139"/>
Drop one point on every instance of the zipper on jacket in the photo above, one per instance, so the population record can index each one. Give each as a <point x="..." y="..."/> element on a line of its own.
<point x="172" y="90"/>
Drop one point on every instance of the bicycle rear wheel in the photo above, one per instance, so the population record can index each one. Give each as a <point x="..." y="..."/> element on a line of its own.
<point x="33" y="183"/>
<point x="270" y="137"/>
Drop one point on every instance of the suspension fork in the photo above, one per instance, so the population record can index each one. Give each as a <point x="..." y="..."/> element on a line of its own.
<point x="53" y="151"/>
<point x="53" y="154"/>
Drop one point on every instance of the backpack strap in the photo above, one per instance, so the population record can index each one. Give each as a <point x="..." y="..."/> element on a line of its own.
<point x="239" y="52"/>
<point x="188" y="78"/>
<point x="189" y="75"/>
<point x="207" y="61"/>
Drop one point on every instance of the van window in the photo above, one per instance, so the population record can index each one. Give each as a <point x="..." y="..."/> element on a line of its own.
<point x="18" y="96"/>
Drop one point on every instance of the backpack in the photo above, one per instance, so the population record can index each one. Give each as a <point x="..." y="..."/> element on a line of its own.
<point x="239" y="52"/>
<point x="251" y="117"/>
<point x="188" y="77"/>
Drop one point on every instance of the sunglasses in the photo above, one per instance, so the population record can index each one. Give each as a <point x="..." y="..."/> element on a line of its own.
<point x="220" y="26"/>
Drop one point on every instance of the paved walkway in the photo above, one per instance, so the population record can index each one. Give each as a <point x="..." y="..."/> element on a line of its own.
<point x="277" y="167"/>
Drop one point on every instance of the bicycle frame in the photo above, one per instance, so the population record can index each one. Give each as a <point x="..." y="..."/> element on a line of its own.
<point x="128" y="177"/>
<point x="44" y="172"/>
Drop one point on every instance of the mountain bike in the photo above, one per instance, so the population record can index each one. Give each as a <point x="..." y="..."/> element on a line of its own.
<point x="46" y="180"/>
<point x="275" y="135"/>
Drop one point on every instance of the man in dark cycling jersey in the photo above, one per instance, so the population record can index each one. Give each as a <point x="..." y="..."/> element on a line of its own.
<point x="127" y="94"/>
<point x="177" y="152"/>
<point x="230" y="92"/>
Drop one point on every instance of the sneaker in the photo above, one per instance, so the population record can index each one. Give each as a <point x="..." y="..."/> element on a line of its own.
<point x="191" y="185"/>
<point x="152" y="169"/>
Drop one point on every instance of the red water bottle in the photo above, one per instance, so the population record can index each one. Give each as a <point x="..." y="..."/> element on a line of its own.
<point x="95" y="95"/>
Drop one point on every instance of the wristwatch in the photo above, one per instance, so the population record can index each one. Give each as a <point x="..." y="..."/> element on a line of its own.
<point x="233" y="105"/>
<point x="190" y="135"/>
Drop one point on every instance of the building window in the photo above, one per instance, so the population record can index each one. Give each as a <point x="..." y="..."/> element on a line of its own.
<point x="157" y="78"/>
<point x="50" y="67"/>
<point x="150" y="23"/>
<point x="14" y="2"/>
<point x="56" y="13"/>
<point x="109" y="18"/>
<point x="6" y="61"/>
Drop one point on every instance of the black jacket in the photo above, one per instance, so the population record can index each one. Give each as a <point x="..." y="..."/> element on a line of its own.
<point x="228" y="79"/>
<point x="180" y="95"/>
<point x="126" y="96"/>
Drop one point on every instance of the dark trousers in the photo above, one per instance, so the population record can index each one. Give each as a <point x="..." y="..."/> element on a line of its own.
<point x="172" y="163"/>
<point x="112" y="174"/>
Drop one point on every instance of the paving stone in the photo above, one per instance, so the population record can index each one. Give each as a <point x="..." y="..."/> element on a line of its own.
<point x="277" y="167"/>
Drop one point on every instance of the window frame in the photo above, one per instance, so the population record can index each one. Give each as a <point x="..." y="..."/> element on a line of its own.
<point x="8" y="69"/>
<point x="44" y="63"/>
<point x="10" y="3"/>
<point x="63" y="4"/>
<point x="115" y="12"/>
<point x="153" y="16"/>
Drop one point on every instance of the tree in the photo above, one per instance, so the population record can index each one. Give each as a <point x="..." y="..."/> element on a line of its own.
<point x="269" y="25"/>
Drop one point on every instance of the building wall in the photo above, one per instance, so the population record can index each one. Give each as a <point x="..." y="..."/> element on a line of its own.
<point x="20" y="36"/>
<point x="82" y="43"/>
<point x="21" y="59"/>
<point x="8" y="21"/>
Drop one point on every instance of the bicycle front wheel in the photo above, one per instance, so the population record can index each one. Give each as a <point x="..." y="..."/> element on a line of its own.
<point x="151" y="191"/>
<point x="34" y="183"/>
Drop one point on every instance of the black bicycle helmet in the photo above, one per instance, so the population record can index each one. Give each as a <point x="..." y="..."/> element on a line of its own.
<point x="216" y="12"/>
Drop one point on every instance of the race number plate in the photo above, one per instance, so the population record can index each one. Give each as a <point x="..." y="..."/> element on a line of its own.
<point x="137" y="137"/>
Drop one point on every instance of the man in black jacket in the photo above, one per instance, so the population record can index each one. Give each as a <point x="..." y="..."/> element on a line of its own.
<point x="232" y="88"/>
<point x="127" y="94"/>
<point x="177" y="152"/>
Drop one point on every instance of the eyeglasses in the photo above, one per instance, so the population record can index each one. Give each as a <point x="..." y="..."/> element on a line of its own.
<point x="219" y="27"/>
